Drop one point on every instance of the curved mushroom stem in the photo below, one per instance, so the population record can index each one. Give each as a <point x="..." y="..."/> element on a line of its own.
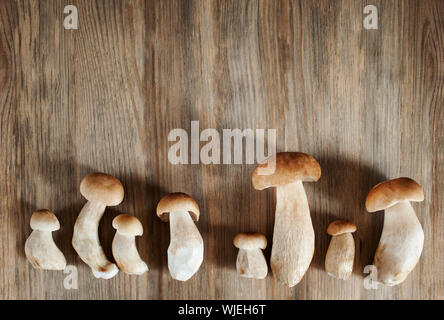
<point x="400" y="246"/>
<point x="86" y="242"/>
<point x="185" y="252"/>
<point x="126" y="254"/>
<point x="293" y="235"/>
<point x="340" y="256"/>
<point x="251" y="263"/>
<point x="42" y="252"/>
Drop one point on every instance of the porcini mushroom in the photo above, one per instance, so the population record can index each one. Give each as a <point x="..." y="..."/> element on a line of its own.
<point x="124" y="244"/>
<point x="402" y="237"/>
<point x="341" y="251"/>
<point x="293" y="236"/>
<point x="101" y="190"/>
<point x="185" y="252"/>
<point x="250" y="261"/>
<point x="40" y="248"/>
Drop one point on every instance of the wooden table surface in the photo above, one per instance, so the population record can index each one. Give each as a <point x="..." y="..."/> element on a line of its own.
<point x="367" y="104"/>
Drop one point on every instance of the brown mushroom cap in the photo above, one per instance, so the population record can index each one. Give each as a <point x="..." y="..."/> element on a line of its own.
<point x="341" y="226"/>
<point x="177" y="202"/>
<point x="102" y="188"/>
<point x="388" y="193"/>
<point x="44" y="220"/>
<point x="250" y="240"/>
<point x="290" y="167"/>
<point x="128" y="225"/>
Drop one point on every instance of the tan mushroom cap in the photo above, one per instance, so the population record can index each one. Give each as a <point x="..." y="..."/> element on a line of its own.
<point x="102" y="188"/>
<point x="128" y="225"/>
<point x="44" y="220"/>
<point x="388" y="193"/>
<point x="340" y="227"/>
<point x="290" y="167"/>
<point x="174" y="202"/>
<point x="250" y="240"/>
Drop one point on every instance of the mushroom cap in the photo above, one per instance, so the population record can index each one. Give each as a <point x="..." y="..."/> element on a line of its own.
<point x="250" y="240"/>
<point x="388" y="193"/>
<point x="290" y="167"/>
<point x="177" y="202"/>
<point x="102" y="188"/>
<point x="44" y="220"/>
<point x="341" y="226"/>
<point x="128" y="225"/>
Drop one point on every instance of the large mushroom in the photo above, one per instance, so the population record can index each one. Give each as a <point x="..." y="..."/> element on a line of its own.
<point x="293" y="236"/>
<point x="40" y="249"/>
<point x="185" y="252"/>
<point x="402" y="237"/>
<point x="101" y="190"/>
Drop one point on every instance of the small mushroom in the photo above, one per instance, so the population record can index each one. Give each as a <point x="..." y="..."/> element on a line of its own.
<point x="250" y="261"/>
<point x="185" y="252"/>
<point x="40" y="248"/>
<point x="293" y="236"/>
<point x="402" y="237"/>
<point x="124" y="244"/>
<point x="341" y="251"/>
<point x="101" y="190"/>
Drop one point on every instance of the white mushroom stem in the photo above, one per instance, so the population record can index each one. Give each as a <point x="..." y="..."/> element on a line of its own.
<point x="42" y="252"/>
<point x="400" y="245"/>
<point x="251" y="263"/>
<point x="126" y="255"/>
<point x="185" y="252"/>
<point x="293" y="236"/>
<point x="340" y="256"/>
<point x="86" y="241"/>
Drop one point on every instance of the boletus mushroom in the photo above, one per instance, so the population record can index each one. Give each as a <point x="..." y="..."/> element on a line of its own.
<point x="101" y="190"/>
<point x="185" y="252"/>
<point x="124" y="244"/>
<point x="402" y="237"/>
<point x="293" y="236"/>
<point x="250" y="261"/>
<point x="341" y="251"/>
<point x="40" y="249"/>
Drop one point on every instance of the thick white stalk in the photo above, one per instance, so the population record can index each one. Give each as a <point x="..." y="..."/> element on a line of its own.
<point x="126" y="255"/>
<point x="86" y="242"/>
<point x="185" y="252"/>
<point x="340" y="256"/>
<point x="293" y="236"/>
<point x="251" y="263"/>
<point x="400" y="246"/>
<point x="43" y="253"/>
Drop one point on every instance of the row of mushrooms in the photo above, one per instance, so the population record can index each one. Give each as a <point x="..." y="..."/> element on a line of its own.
<point x="293" y="246"/>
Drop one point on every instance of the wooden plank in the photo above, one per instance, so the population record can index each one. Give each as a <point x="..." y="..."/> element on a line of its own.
<point x="366" y="103"/>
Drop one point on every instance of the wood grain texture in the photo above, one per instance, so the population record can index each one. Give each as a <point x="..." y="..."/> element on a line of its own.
<point x="367" y="104"/>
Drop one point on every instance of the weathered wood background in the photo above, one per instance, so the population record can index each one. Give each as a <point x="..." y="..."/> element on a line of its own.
<point x="368" y="104"/>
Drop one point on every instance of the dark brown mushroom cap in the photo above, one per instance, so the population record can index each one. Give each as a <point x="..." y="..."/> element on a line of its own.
<point x="290" y="167"/>
<point x="341" y="226"/>
<point x="250" y="240"/>
<point x="44" y="220"/>
<point x="102" y="188"/>
<point x="128" y="225"/>
<point x="388" y="193"/>
<point x="174" y="202"/>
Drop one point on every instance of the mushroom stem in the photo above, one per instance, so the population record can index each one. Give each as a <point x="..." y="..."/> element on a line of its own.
<point x="42" y="252"/>
<point x="185" y="252"/>
<point x="401" y="244"/>
<point x="251" y="263"/>
<point x="293" y="236"/>
<point x="340" y="256"/>
<point x="126" y="254"/>
<point x="86" y="240"/>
